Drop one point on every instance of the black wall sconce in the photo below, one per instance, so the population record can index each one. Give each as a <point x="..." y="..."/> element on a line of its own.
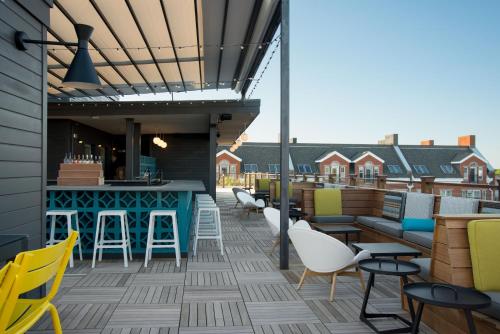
<point x="81" y="73"/>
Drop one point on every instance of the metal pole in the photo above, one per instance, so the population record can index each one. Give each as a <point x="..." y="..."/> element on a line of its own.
<point x="284" y="131"/>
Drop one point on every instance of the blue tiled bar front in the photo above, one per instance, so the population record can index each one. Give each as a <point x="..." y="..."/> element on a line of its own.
<point x="139" y="201"/>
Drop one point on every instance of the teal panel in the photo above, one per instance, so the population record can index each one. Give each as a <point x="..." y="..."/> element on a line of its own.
<point x="138" y="205"/>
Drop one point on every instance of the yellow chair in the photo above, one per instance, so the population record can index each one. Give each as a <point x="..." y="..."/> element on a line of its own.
<point x="36" y="268"/>
<point x="7" y="279"/>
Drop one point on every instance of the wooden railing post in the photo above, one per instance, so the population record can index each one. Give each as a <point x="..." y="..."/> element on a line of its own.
<point x="381" y="181"/>
<point x="352" y="179"/>
<point x="427" y="184"/>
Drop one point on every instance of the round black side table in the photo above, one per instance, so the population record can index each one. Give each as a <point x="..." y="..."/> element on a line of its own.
<point x="448" y="296"/>
<point x="392" y="268"/>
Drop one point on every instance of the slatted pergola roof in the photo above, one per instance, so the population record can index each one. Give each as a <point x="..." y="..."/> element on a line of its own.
<point x="153" y="46"/>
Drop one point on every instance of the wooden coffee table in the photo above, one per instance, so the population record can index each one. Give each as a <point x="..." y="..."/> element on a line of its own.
<point x="339" y="229"/>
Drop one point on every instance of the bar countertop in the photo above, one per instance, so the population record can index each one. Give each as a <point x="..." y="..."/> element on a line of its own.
<point x="174" y="185"/>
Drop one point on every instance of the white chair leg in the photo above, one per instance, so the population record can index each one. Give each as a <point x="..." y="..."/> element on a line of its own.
<point x="148" y="241"/>
<point x="96" y="240"/>
<point x="219" y="228"/>
<point x="176" y="241"/>
<point x="124" y="242"/>
<point x="68" y="222"/>
<point x="79" y="240"/>
<point x="101" y="238"/>
<point x="52" y="230"/>
<point x="129" y="242"/>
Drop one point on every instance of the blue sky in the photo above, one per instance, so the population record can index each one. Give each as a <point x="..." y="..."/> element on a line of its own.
<point x="361" y="69"/>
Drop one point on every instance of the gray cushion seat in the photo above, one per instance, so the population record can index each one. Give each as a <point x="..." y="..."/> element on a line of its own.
<point x="494" y="309"/>
<point x="425" y="267"/>
<point x="339" y="219"/>
<point x="421" y="238"/>
<point x="382" y="224"/>
<point x="392" y="228"/>
<point x="371" y="221"/>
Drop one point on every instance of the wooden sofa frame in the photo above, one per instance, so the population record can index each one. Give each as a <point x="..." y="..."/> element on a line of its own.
<point x="450" y="254"/>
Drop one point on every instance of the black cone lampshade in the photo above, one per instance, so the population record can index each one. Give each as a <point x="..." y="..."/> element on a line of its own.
<point x="81" y="73"/>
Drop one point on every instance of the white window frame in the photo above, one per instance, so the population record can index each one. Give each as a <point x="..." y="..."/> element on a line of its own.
<point x="342" y="172"/>
<point x="224" y="164"/>
<point x="376" y="171"/>
<point x="361" y="172"/>
<point x="480" y="173"/>
<point x="446" y="192"/>
<point x="466" y="173"/>
<point x="327" y="169"/>
<point x="369" y="170"/>
<point x="232" y="169"/>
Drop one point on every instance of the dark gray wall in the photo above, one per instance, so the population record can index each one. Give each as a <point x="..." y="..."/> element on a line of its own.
<point x="60" y="141"/>
<point x="186" y="157"/>
<point x="23" y="114"/>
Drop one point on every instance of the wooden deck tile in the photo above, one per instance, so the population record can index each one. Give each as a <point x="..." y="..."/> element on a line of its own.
<point x="214" y="314"/>
<point x="153" y="295"/>
<point x="268" y="293"/>
<point x="158" y="279"/>
<point x="210" y="278"/>
<point x="99" y="295"/>
<point x="143" y="315"/>
<point x="260" y="277"/>
<point x="96" y="279"/>
<point x="211" y="293"/>
<point x="280" y="313"/>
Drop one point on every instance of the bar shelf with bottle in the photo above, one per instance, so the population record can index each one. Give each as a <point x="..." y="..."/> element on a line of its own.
<point x="78" y="171"/>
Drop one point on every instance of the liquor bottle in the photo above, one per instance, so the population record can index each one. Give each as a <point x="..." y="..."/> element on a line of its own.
<point x="65" y="161"/>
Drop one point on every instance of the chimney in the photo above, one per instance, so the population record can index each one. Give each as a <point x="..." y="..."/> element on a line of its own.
<point x="427" y="142"/>
<point x="294" y="140"/>
<point x="391" y="139"/>
<point x="467" y="141"/>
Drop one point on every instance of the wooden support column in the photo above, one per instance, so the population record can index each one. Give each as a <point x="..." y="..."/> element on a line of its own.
<point x="129" y="148"/>
<point x="284" y="130"/>
<point x="427" y="184"/>
<point x="381" y="181"/>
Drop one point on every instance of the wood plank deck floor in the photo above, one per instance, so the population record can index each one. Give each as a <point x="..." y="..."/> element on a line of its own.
<point x="241" y="292"/>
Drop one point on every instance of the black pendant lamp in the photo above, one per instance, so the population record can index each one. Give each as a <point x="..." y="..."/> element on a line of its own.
<point x="81" y="72"/>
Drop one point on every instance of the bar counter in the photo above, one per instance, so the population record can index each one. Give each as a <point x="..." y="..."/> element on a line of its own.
<point x="137" y="199"/>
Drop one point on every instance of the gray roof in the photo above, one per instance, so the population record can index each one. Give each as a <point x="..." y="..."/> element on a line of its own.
<point x="261" y="154"/>
<point x="433" y="157"/>
<point x="309" y="153"/>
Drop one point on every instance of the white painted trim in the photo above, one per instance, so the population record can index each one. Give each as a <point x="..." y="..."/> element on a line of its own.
<point x="228" y="153"/>
<point x="367" y="153"/>
<point x="331" y="154"/>
<point x="468" y="157"/>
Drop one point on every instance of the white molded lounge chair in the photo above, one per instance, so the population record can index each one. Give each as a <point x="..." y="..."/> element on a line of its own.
<point x="237" y="190"/>
<point x="249" y="203"/>
<point x="325" y="255"/>
<point x="273" y="220"/>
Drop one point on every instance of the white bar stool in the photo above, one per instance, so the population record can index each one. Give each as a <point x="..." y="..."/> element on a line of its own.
<point x="100" y="242"/>
<point x="162" y="243"/>
<point x="208" y="226"/>
<point x="53" y="214"/>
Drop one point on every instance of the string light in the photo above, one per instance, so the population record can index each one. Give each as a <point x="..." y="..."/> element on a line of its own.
<point x="221" y="47"/>
<point x="265" y="68"/>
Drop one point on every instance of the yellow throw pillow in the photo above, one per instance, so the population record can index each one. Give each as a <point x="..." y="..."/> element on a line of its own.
<point x="485" y="253"/>
<point x="327" y="202"/>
